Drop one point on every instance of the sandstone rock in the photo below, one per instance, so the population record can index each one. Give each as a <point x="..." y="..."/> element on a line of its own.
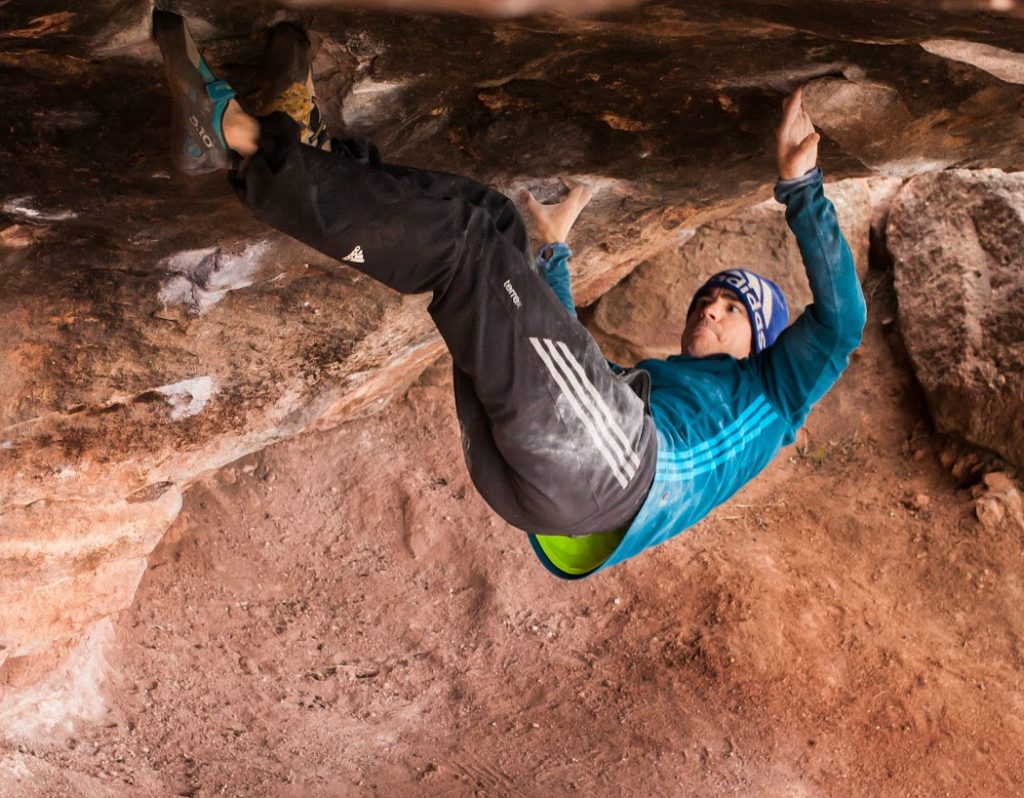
<point x="999" y="502"/>
<point x="80" y="557"/>
<point x="484" y="8"/>
<point x="1004" y="64"/>
<point x="990" y="511"/>
<point x="151" y="332"/>
<point x="957" y="240"/>
<point x="644" y="315"/>
<point x="998" y="481"/>
<point x="46" y="694"/>
<point x="1012" y="7"/>
<point x="919" y="501"/>
<point x="966" y="467"/>
<point x="110" y="411"/>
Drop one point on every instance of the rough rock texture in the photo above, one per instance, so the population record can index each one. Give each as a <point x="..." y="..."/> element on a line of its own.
<point x="999" y="502"/>
<point x="844" y="628"/>
<point x="957" y="239"/>
<point x="483" y="8"/>
<point x="644" y="314"/>
<point x="1012" y="7"/>
<point x="151" y="332"/>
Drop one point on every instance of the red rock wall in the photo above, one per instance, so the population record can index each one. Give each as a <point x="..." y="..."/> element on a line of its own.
<point x="151" y="332"/>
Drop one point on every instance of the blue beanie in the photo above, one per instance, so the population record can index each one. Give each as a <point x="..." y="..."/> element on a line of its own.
<point x="766" y="304"/>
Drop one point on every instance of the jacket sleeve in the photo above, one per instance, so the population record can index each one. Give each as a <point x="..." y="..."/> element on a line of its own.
<point x="553" y="265"/>
<point x="808" y="357"/>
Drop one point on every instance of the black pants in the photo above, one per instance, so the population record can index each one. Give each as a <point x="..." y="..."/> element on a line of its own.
<point x="554" y="441"/>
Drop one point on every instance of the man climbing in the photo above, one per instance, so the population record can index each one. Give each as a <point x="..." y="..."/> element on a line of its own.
<point x="595" y="463"/>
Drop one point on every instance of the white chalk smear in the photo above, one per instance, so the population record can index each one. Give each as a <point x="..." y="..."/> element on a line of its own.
<point x="71" y="693"/>
<point x="907" y="167"/>
<point x="13" y="770"/>
<point x="203" y="277"/>
<point x="369" y="100"/>
<point x="21" y="208"/>
<point x="188" y="397"/>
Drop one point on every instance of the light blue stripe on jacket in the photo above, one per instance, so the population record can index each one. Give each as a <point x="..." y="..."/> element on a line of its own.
<point x="734" y="439"/>
<point x="753" y="413"/>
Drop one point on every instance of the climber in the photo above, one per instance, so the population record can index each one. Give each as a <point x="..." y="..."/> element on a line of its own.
<point x="596" y="463"/>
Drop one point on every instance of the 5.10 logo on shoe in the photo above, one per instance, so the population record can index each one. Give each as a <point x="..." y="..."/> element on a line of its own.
<point x="202" y="132"/>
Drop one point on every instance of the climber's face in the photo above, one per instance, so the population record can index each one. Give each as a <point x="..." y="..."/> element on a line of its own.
<point x="718" y="325"/>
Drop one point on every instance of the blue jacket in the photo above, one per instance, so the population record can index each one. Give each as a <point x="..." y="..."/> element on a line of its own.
<point x="719" y="420"/>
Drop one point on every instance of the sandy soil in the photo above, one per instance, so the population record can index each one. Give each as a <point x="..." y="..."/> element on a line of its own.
<point x="340" y="615"/>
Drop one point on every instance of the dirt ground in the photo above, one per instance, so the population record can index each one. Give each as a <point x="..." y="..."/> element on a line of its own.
<point x="340" y="615"/>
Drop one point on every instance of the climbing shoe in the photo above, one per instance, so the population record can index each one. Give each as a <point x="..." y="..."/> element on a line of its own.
<point x="287" y="83"/>
<point x="199" y="99"/>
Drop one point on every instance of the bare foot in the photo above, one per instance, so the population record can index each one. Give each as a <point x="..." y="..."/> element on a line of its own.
<point x="241" y="131"/>
<point x="555" y="221"/>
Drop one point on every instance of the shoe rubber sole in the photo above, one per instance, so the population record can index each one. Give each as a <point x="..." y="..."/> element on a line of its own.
<point x="287" y="82"/>
<point x="198" y="98"/>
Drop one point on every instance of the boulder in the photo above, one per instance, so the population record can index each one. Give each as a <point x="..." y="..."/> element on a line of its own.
<point x="957" y="242"/>
<point x="123" y="384"/>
